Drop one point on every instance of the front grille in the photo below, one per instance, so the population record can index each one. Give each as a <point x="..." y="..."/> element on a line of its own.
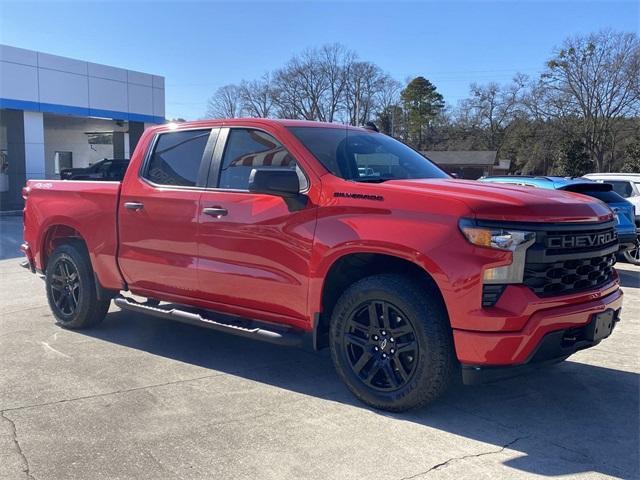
<point x="588" y="242"/>
<point x="568" y="276"/>
<point x="564" y="258"/>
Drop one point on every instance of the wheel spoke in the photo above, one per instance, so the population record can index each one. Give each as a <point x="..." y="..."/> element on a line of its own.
<point x="385" y="321"/>
<point x="63" y="302"/>
<point x="402" y="330"/>
<point x="356" y="327"/>
<point x="356" y="340"/>
<point x="389" y="373"/>
<point x="60" y="272"/>
<point x="405" y="347"/>
<point x="362" y="362"/>
<point x="373" y="315"/>
<point x="375" y="368"/>
<point x="397" y="366"/>
<point x="74" y="299"/>
<point x="58" y="301"/>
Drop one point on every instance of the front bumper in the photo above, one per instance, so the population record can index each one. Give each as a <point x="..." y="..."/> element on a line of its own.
<point x="554" y="347"/>
<point x="482" y="349"/>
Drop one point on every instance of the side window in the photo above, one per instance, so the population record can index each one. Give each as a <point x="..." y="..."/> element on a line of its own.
<point x="177" y="157"/>
<point x="624" y="189"/>
<point x="247" y="149"/>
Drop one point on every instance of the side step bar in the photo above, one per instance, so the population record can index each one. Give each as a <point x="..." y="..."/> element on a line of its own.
<point x="286" y="337"/>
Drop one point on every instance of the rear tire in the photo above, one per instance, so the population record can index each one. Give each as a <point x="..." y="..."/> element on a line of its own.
<point x="391" y="342"/>
<point x="71" y="288"/>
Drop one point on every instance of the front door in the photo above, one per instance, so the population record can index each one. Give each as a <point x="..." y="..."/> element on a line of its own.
<point x="254" y="249"/>
<point x="158" y="215"/>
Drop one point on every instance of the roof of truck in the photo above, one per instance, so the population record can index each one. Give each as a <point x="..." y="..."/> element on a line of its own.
<point x="272" y="121"/>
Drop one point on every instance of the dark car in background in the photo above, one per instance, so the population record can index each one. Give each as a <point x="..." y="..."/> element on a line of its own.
<point x="624" y="211"/>
<point x="107" y="169"/>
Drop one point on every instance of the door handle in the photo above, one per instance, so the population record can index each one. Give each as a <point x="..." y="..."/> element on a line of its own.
<point x="133" y="205"/>
<point x="215" y="211"/>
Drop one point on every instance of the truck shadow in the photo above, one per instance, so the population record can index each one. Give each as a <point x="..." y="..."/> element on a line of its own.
<point x="568" y="419"/>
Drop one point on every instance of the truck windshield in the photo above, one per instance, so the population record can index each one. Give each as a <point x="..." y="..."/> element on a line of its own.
<point x="365" y="156"/>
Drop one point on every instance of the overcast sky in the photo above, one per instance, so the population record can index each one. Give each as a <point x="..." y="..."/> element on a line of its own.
<point x="199" y="46"/>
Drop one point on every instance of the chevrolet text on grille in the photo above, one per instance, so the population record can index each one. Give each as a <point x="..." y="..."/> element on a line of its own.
<point x="578" y="241"/>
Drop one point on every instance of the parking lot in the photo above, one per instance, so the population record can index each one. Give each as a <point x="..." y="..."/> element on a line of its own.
<point x="144" y="398"/>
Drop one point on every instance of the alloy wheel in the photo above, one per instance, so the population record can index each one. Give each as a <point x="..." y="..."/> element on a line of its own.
<point x="65" y="286"/>
<point x="381" y="346"/>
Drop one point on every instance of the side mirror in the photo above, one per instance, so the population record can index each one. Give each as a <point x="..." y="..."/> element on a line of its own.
<point x="282" y="182"/>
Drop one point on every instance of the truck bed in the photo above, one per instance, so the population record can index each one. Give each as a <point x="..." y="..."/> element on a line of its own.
<point x="88" y="207"/>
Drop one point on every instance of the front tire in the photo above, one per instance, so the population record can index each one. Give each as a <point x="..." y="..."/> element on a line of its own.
<point x="391" y="342"/>
<point x="71" y="288"/>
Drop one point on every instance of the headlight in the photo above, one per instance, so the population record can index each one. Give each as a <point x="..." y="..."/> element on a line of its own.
<point x="515" y="241"/>
<point x="491" y="237"/>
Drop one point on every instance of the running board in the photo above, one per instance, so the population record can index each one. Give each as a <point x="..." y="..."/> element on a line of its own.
<point x="287" y="337"/>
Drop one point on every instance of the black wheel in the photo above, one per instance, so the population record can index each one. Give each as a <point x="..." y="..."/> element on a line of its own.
<point x="71" y="289"/>
<point x="632" y="255"/>
<point x="391" y="342"/>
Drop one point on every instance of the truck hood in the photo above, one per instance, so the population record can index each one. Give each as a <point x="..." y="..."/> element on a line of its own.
<point x="493" y="201"/>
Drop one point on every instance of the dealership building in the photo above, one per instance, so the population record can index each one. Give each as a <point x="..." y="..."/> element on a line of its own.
<point x="58" y="112"/>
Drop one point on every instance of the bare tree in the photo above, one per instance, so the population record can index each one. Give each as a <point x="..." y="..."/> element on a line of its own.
<point x="258" y="97"/>
<point x="389" y="112"/>
<point x="311" y="85"/>
<point x="491" y="109"/>
<point x="336" y="64"/>
<point x="226" y="102"/>
<point x="388" y="94"/>
<point x="594" y="78"/>
<point x="302" y="85"/>
<point x="364" y="83"/>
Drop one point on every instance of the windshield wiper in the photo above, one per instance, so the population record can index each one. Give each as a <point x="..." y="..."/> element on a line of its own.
<point x="371" y="180"/>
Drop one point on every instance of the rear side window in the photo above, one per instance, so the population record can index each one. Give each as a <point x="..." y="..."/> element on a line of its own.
<point x="177" y="157"/>
<point x="606" y="197"/>
<point x="247" y="149"/>
<point x="624" y="189"/>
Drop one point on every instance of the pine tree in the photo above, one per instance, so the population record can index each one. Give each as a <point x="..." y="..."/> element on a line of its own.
<point x="422" y="104"/>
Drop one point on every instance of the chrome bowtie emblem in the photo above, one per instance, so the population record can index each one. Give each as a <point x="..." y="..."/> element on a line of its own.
<point x="383" y="344"/>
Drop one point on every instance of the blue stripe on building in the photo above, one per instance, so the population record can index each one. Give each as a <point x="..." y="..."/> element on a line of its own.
<point x="79" y="111"/>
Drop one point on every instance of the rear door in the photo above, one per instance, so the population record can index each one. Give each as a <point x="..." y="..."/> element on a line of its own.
<point x="159" y="211"/>
<point x="254" y="248"/>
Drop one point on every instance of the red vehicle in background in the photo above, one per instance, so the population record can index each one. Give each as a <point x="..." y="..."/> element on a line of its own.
<point x="303" y="233"/>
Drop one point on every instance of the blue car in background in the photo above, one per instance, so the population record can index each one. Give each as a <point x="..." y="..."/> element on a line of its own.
<point x="624" y="210"/>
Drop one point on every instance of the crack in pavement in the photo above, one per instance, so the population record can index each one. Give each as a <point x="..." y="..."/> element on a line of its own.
<point x="35" y="307"/>
<point x="14" y="437"/>
<point x="453" y="459"/>
<point x="106" y="394"/>
<point x="134" y="389"/>
<point x="162" y="466"/>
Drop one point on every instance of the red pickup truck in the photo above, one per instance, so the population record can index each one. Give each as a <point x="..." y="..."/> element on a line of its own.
<point x="304" y="233"/>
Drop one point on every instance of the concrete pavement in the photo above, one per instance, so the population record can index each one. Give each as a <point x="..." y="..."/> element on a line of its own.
<point x="142" y="398"/>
